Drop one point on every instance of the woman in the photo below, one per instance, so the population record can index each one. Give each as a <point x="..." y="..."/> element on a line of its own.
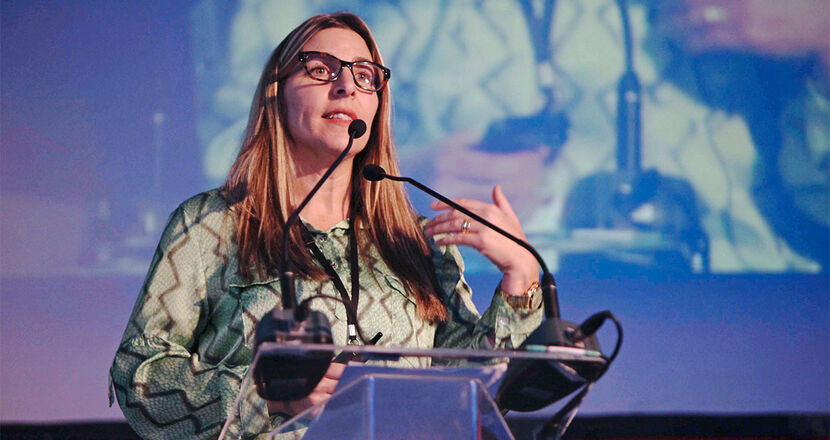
<point x="189" y="340"/>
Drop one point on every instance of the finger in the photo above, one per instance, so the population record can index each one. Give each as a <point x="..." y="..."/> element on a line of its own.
<point x="441" y="218"/>
<point x="463" y="227"/>
<point x="471" y="240"/>
<point x="447" y="222"/>
<point x="501" y="201"/>
<point x="326" y="386"/>
<point x="335" y="370"/>
<point x="439" y="206"/>
<point x="470" y="204"/>
<point x="456" y="225"/>
<point x="316" y="397"/>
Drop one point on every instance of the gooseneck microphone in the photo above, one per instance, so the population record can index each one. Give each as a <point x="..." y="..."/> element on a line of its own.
<point x="356" y="129"/>
<point x="293" y="376"/>
<point x="529" y="385"/>
<point x="289" y="294"/>
<point x="375" y="173"/>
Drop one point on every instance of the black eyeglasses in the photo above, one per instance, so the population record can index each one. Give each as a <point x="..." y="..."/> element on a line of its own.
<point x="367" y="75"/>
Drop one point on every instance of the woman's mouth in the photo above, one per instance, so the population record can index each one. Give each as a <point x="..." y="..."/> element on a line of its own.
<point x="339" y="115"/>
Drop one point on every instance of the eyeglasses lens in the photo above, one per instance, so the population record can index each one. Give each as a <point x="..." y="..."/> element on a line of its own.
<point x="367" y="76"/>
<point x="325" y="67"/>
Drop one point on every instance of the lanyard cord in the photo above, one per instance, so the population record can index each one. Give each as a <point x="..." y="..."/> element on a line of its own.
<point x="351" y="311"/>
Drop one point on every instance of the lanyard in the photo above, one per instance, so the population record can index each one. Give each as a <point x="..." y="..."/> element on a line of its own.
<point x="351" y="309"/>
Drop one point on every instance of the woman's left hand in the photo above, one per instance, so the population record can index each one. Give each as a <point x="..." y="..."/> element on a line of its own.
<point x="516" y="263"/>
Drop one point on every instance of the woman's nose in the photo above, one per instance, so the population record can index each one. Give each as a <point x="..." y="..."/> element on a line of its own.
<point x="344" y="85"/>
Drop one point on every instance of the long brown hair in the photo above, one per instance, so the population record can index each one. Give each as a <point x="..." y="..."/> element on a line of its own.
<point x="258" y="184"/>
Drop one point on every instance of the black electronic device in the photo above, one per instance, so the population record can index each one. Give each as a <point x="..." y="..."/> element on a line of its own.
<point x="291" y="376"/>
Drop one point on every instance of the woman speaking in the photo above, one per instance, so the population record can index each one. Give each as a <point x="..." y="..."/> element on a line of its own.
<point x="190" y="338"/>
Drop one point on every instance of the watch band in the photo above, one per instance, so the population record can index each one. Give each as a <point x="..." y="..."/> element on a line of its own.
<point x="524" y="301"/>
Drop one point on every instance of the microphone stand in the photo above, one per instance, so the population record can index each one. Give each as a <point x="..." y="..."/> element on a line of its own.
<point x="548" y="284"/>
<point x="294" y="376"/>
<point x="289" y="293"/>
<point x="531" y="385"/>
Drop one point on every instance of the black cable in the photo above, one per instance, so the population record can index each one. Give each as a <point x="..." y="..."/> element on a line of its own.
<point x="554" y="425"/>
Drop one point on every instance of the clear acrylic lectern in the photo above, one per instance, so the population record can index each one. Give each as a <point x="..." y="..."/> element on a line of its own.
<point x="374" y="401"/>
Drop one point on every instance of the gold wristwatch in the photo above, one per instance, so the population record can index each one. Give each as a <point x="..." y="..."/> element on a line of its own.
<point x="525" y="301"/>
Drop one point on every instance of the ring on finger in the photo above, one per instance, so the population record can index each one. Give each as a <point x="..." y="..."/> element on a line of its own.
<point x="465" y="227"/>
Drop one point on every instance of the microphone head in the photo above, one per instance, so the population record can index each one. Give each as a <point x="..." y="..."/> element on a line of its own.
<point x="373" y="172"/>
<point x="357" y="128"/>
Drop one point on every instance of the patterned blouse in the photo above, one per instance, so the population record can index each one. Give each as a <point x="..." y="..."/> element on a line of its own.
<point x="189" y="341"/>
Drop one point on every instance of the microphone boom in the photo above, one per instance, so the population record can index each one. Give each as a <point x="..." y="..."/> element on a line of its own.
<point x="294" y="376"/>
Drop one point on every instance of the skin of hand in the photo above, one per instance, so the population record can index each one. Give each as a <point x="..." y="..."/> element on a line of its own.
<point x="321" y="393"/>
<point x="517" y="265"/>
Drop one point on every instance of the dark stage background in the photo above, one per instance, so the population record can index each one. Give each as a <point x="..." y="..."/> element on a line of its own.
<point x="711" y="247"/>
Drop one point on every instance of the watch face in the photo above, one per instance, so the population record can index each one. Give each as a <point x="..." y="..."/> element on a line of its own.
<point x="524" y="301"/>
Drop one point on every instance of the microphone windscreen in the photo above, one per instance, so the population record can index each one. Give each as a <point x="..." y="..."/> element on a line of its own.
<point x="357" y="128"/>
<point x="373" y="172"/>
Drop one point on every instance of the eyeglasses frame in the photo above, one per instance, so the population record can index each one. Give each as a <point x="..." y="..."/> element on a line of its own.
<point x="303" y="57"/>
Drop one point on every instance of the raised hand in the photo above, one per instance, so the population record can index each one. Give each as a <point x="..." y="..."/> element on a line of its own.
<point x="516" y="263"/>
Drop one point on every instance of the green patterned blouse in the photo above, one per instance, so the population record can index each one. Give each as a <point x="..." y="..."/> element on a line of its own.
<point x="189" y="340"/>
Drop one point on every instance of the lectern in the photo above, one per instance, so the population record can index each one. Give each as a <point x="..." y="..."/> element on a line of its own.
<point x="452" y="400"/>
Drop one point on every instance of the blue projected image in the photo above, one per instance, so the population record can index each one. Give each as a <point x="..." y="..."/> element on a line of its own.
<point x="671" y="164"/>
<point x="527" y="97"/>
